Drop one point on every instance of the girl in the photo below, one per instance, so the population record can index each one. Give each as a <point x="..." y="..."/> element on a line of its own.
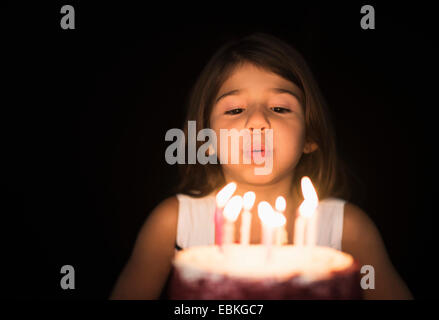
<point x="258" y="83"/>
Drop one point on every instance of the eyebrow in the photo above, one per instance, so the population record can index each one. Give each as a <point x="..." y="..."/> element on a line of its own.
<point x="275" y="90"/>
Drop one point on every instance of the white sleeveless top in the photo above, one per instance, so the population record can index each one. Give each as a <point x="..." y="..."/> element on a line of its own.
<point x="196" y="222"/>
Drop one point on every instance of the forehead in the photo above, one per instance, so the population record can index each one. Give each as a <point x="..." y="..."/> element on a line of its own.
<point x="249" y="76"/>
<point x="255" y="80"/>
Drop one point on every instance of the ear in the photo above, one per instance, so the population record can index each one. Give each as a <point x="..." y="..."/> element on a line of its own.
<point x="310" y="147"/>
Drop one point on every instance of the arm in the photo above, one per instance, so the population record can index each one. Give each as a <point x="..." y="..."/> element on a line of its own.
<point x="147" y="270"/>
<point x="363" y="241"/>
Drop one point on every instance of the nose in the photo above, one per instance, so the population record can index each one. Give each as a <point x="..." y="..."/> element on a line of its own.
<point x="257" y="120"/>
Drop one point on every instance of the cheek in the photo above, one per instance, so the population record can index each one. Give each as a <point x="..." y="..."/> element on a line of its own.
<point x="289" y="140"/>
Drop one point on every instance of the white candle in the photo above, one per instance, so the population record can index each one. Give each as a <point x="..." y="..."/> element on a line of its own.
<point x="249" y="200"/>
<point x="299" y="229"/>
<point x="305" y="228"/>
<point x="265" y="213"/>
<point x="269" y="233"/>
<point x="221" y="199"/>
<point x="231" y="213"/>
<point x="270" y="221"/>
<point x="311" y="232"/>
<point x="281" y="232"/>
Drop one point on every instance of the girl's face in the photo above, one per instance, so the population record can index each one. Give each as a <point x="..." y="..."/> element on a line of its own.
<point x="254" y="98"/>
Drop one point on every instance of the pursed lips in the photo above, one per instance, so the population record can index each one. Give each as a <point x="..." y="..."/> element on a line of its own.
<point x="261" y="151"/>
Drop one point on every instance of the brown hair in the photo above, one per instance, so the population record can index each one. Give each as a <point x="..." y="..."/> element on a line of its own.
<point x="270" y="53"/>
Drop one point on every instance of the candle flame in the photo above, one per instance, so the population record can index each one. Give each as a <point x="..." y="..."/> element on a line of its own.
<point x="281" y="220"/>
<point x="308" y="191"/>
<point x="249" y="200"/>
<point x="307" y="209"/>
<point x="224" y="194"/>
<point x="233" y="208"/>
<point x="311" y="200"/>
<point x="281" y="204"/>
<point x="268" y="216"/>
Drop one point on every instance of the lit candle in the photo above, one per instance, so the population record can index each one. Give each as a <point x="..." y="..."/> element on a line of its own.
<point x="305" y="228"/>
<point x="231" y="213"/>
<point x="300" y="226"/>
<point x="249" y="200"/>
<point x="221" y="199"/>
<point x="281" y="232"/>
<point x="270" y="221"/>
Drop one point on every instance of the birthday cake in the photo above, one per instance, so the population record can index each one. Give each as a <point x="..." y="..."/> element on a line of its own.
<point x="239" y="272"/>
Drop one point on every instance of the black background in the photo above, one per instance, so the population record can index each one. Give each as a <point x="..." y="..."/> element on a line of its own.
<point x="86" y="111"/>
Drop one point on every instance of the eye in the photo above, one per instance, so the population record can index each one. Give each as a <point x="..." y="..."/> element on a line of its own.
<point x="234" y="111"/>
<point x="278" y="109"/>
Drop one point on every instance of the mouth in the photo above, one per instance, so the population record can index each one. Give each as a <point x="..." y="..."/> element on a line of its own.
<point x="256" y="151"/>
<point x="260" y="152"/>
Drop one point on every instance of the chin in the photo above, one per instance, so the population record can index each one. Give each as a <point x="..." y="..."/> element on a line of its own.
<point x="248" y="176"/>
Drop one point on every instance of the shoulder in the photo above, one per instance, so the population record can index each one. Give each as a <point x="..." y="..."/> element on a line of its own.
<point x="358" y="228"/>
<point x="363" y="241"/>
<point x="158" y="233"/>
<point x="161" y="223"/>
<point x="167" y="208"/>
<point x="165" y="213"/>
<point x="149" y="265"/>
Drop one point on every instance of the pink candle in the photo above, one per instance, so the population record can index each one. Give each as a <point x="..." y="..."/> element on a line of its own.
<point x="221" y="199"/>
<point x="219" y="221"/>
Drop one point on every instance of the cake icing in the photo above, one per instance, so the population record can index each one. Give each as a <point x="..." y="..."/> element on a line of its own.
<point x="252" y="262"/>
<point x="246" y="272"/>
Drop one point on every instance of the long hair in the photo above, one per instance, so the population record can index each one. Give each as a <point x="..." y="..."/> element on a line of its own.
<point x="275" y="55"/>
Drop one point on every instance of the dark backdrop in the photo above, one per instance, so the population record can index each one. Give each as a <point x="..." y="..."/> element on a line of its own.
<point x="89" y="109"/>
